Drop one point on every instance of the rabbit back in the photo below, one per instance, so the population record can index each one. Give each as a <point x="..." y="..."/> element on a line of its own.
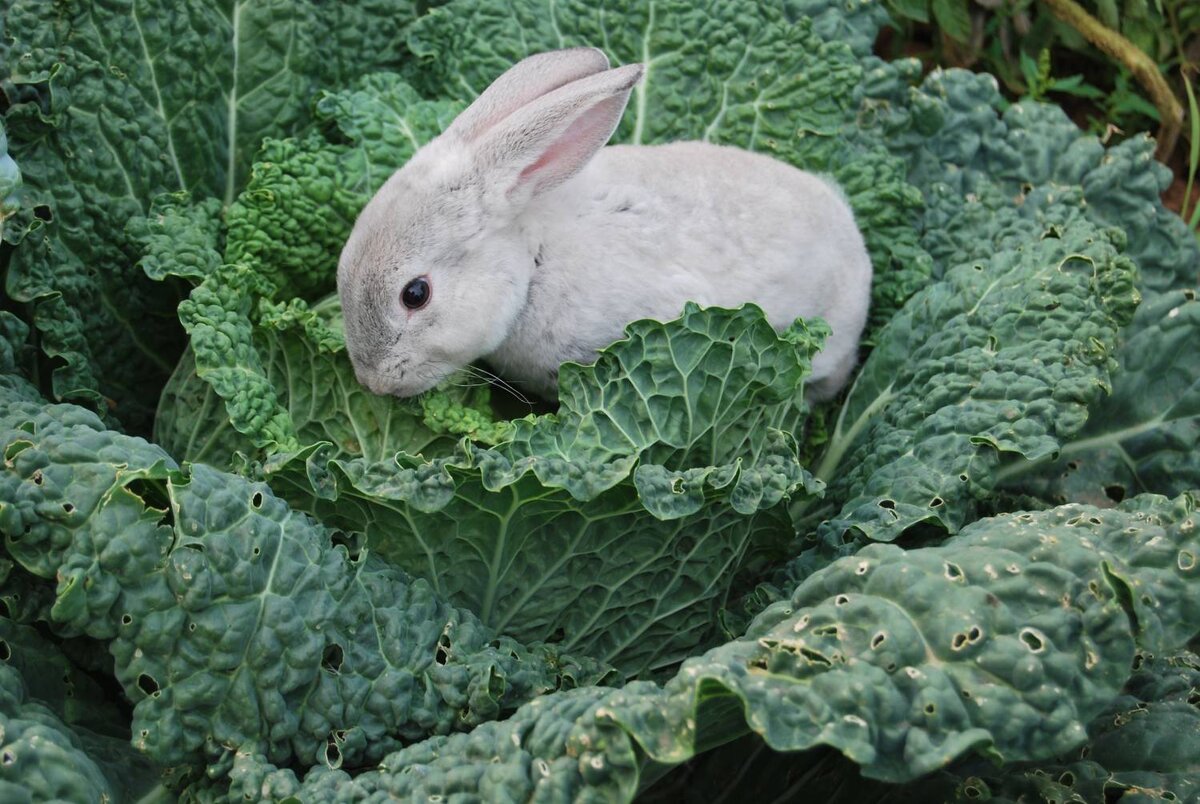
<point x="643" y="229"/>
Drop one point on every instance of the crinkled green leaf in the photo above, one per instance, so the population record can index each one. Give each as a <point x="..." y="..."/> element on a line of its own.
<point x="236" y="623"/>
<point x="1005" y="642"/>
<point x="111" y="105"/>
<point x="1002" y="356"/>
<point x="1141" y="747"/>
<point x="1146" y="435"/>
<point x="178" y="238"/>
<point x="614" y="525"/>
<point x="959" y="143"/>
<point x="296" y="212"/>
<point x="47" y="760"/>
<point x="51" y="678"/>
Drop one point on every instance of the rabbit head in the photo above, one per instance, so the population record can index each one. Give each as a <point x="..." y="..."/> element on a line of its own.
<point x="438" y="267"/>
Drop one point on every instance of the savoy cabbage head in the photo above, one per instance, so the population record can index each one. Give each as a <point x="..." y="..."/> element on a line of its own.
<point x="973" y="573"/>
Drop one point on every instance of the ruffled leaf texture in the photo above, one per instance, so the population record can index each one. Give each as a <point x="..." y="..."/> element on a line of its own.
<point x="1006" y="642"/>
<point x="235" y="623"/>
<point x="110" y="104"/>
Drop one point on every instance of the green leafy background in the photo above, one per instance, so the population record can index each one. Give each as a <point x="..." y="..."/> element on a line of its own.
<point x="972" y="576"/>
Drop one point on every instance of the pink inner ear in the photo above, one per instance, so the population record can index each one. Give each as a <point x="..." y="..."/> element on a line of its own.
<point x="567" y="155"/>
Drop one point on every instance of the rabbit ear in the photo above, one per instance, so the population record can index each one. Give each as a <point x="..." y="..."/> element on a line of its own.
<point x="550" y="140"/>
<point x="523" y="83"/>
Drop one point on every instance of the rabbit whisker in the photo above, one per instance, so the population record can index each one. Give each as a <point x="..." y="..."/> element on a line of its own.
<point x="492" y="379"/>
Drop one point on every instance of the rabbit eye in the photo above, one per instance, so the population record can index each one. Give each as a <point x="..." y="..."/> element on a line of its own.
<point x="416" y="293"/>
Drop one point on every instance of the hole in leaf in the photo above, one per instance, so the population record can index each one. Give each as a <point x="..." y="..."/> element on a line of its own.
<point x="351" y="543"/>
<point x="841" y="600"/>
<point x="43" y="213"/>
<point x="16" y="448"/>
<point x="958" y="641"/>
<point x="8" y="757"/>
<point x="878" y="640"/>
<point x="974" y="634"/>
<point x="496" y="684"/>
<point x="257" y="551"/>
<point x="442" y="654"/>
<point x="5" y="651"/>
<point x="930" y="708"/>
<point x="1115" y="492"/>
<point x="815" y="657"/>
<point x="963" y="477"/>
<point x="1033" y="639"/>
<point x="153" y="495"/>
<point x="936" y="502"/>
<point x="147" y="684"/>
<point x="36" y="477"/>
<point x="191" y="627"/>
<point x="126" y="619"/>
<point x="953" y="571"/>
<point x="68" y="508"/>
<point x="333" y="753"/>
<point x="1186" y="560"/>
<point x="331" y="659"/>
<point x="890" y="505"/>
<point x="5" y="611"/>
<point x="257" y="500"/>
<point x="1067" y="779"/>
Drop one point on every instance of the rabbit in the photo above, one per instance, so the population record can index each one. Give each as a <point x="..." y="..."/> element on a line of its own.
<point x="517" y="237"/>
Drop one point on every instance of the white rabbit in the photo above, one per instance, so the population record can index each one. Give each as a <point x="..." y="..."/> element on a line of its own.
<point x="517" y="237"/>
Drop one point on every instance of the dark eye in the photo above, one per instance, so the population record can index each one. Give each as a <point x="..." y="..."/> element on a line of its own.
<point x="416" y="293"/>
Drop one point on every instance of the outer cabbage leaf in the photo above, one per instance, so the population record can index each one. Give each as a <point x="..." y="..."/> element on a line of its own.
<point x="1005" y="642"/>
<point x="1003" y="355"/>
<point x="1141" y="747"/>
<point x="996" y="179"/>
<point x="1146" y="435"/>
<point x="110" y="105"/>
<point x="46" y="760"/>
<point x="955" y="136"/>
<point x="235" y="623"/>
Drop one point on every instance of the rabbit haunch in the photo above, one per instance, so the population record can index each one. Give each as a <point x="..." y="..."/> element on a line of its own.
<point x="539" y="244"/>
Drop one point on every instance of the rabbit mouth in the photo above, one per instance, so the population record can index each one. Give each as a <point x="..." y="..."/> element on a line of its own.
<point x="398" y="381"/>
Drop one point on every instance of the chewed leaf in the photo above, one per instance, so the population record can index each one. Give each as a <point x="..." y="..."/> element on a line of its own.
<point x="1146" y="434"/>
<point x="278" y="629"/>
<point x="1006" y="643"/>
<point x="1001" y="357"/>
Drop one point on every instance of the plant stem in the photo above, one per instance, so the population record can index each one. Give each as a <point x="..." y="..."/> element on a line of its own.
<point x="1136" y="61"/>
